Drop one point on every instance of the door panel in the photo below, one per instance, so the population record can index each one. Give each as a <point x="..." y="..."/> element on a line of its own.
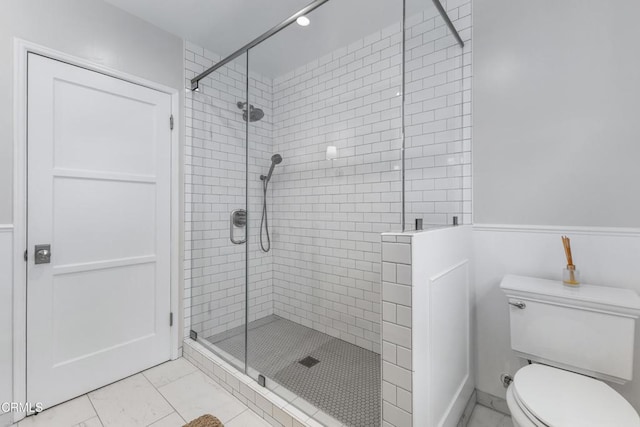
<point x="99" y="193"/>
<point x="99" y="145"/>
<point x="93" y="294"/>
<point x="94" y="210"/>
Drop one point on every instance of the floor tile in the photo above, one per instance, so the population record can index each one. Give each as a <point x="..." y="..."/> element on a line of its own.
<point x="506" y="422"/>
<point x="485" y="417"/>
<point x="64" y="415"/>
<point x="196" y="394"/>
<point x="169" y="372"/>
<point x="91" y="422"/>
<point x="130" y="402"/>
<point x="247" y="419"/>
<point x="171" y="420"/>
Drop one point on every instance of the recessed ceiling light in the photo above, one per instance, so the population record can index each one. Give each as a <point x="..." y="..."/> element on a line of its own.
<point x="303" y="21"/>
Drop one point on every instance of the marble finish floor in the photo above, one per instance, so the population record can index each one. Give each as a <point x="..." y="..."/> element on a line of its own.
<point x="486" y="417"/>
<point x="167" y="395"/>
<point x="171" y="394"/>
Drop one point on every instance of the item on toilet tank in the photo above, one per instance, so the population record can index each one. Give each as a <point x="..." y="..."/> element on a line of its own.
<point x="418" y="223"/>
<point x="570" y="276"/>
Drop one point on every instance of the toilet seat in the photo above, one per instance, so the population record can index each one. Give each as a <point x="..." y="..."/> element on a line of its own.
<point x="520" y="416"/>
<point x="557" y="398"/>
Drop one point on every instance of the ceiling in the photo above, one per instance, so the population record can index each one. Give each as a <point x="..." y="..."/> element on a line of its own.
<point x="223" y="26"/>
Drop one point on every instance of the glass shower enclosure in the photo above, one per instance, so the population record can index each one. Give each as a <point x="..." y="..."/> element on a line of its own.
<point x="301" y="150"/>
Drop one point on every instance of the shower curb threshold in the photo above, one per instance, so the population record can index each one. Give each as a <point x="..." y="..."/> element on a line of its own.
<point x="264" y="402"/>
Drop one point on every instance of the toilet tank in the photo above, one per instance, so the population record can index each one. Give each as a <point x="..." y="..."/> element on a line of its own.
<point x="586" y="329"/>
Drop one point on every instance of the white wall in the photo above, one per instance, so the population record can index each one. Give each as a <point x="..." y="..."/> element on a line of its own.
<point x="88" y="29"/>
<point x="608" y="258"/>
<point x="556" y="97"/>
<point x="556" y="101"/>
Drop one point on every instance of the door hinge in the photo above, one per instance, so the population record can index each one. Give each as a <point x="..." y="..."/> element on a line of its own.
<point x="171" y="122"/>
<point x="170" y="319"/>
<point x="26" y="255"/>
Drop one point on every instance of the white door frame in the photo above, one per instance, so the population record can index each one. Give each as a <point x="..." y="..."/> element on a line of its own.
<point x="21" y="50"/>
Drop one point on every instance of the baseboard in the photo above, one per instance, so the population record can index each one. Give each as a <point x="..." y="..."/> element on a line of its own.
<point x="493" y="402"/>
<point x="468" y="409"/>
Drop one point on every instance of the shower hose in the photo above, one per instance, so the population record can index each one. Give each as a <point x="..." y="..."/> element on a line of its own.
<point x="264" y="221"/>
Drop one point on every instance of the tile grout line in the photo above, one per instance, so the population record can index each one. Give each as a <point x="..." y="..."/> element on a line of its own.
<point x="94" y="409"/>
<point x="248" y="409"/>
<point x="163" y="397"/>
<point x="167" y="416"/>
<point x="183" y="376"/>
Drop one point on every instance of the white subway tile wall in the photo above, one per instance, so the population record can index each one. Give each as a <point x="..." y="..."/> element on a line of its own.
<point x="215" y="167"/>
<point x="326" y="215"/>
<point x="397" y="379"/>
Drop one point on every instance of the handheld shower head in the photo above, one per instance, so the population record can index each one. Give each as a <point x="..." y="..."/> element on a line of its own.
<point x="276" y="159"/>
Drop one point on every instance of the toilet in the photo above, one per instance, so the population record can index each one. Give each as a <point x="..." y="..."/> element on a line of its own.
<point x="575" y="338"/>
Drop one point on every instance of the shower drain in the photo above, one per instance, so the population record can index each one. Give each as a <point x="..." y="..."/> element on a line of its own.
<point x="309" y="361"/>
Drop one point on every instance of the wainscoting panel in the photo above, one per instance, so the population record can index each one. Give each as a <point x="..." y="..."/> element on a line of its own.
<point x="6" y="336"/>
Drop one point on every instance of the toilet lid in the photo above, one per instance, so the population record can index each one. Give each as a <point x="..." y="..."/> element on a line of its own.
<point x="561" y="398"/>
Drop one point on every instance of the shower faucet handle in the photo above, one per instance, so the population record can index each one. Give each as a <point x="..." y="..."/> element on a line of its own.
<point x="238" y="218"/>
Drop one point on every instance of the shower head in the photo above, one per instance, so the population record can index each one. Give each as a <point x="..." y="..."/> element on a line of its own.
<point x="276" y="159"/>
<point x="255" y="114"/>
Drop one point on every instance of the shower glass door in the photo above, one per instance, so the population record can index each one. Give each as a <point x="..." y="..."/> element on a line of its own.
<point x="331" y="93"/>
<point x="299" y="154"/>
<point x="216" y="218"/>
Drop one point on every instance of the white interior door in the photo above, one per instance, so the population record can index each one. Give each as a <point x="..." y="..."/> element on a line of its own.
<point x="99" y="165"/>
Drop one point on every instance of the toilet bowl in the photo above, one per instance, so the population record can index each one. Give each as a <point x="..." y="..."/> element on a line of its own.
<point x="544" y="396"/>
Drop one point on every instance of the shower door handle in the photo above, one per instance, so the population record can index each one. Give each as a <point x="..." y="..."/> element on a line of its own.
<point x="238" y="218"/>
